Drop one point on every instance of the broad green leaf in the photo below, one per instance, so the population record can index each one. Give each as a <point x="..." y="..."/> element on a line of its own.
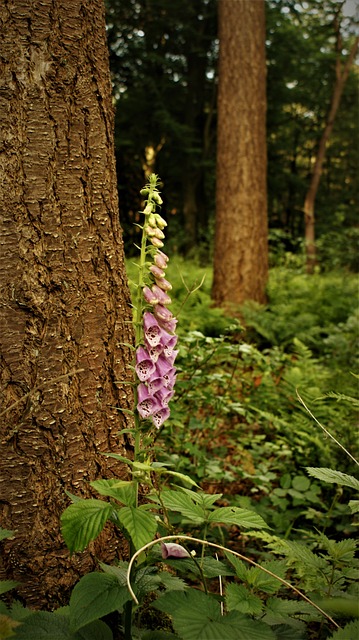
<point x="183" y="503"/>
<point x="94" y="596"/>
<point x="263" y="581"/>
<point x="239" y="517"/>
<point x="330" y="475"/>
<point x="122" y="490"/>
<point x="197" y="616"/>
<point x="83" y="521"/>
<point x="240" y="599"/>
<point x="96" y="630"/>
<point x="172" y="583"/>
<point x="349" y="632"/>
<point x="43" y="625"/>
<point x="7" y="585"/>
<point x="140" y="525"/>
<point x="5" y="533"/>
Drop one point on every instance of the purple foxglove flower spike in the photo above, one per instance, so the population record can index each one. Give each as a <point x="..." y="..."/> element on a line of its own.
<point x="162" y="313"/>
<point x="160" y="260"/>
<point x="162" y="296"/>
<point x="149" y="296"/>
<point x="144" y="365"/>
<point x="162" y="283"/>
<point x="153" y="331"/>
<point x="154" y="383"/>
<point x="147" y="404"/>
<point x="157" y="271"/>
<point x="173" y="550"/>
<point x="160" y="417"/>
<point x="169" y="326"/>
<point x="154" y="352"/>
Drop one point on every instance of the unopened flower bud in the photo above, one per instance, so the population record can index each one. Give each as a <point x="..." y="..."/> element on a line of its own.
<point x="148" y="208"/>
<point x="152" y="220"/>
<point x="157" y="198"/>
<point x="159" y="234"/>
<point x="156" y="242"/>
<point x="161" y="223"/>
<point x="156" y="271"/>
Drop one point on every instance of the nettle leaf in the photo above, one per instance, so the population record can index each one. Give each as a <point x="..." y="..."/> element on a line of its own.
<point x="43" y="625"/>
<point x="83" y="521"/>
<point x="122" y="490"/>
<point x="140" y="525"/>
<point x="239" y="517"/>
<point x="172" y="583"/>
<point x="7" y="585"/>
<point x="94" y="596"/>
<point x="349" y="632"/>
<point x="263" y="581"/>
<point x="330" y="475"/>
<point x="240" y="599"/>
<point x="183" y="503"/>
<point x="197" y="616"/>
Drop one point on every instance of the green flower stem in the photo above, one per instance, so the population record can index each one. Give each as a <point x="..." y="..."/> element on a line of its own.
<point x="150" y="204"/>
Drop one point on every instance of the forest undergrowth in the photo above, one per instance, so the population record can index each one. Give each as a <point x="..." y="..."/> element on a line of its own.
<point x="255" y="475"/>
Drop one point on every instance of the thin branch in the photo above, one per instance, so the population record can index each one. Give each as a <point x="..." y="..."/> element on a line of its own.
<point x="325" y="430"/>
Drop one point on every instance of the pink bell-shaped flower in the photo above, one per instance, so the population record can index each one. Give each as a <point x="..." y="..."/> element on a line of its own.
<point x="144" y="365"/>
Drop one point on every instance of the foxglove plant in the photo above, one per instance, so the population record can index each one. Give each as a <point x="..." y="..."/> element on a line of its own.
<point x="154" y="322"/>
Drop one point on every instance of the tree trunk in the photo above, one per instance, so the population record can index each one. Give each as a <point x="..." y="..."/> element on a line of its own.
<point x="341" y="75"/>
<point x="64" y="297"/>
<point x="241" y="244"/>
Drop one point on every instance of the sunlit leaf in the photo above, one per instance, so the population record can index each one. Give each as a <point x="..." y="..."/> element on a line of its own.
<point x="93" y="597"/>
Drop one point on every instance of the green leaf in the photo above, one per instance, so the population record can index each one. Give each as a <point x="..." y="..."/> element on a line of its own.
<point x="140" y="525"/>
<point x="7" y="585"/>
<point x="5" y="533"/>
<point x="330" y="475"/>
<point x="197" y="616"/>
<point x="96" y="630"/>
<point x="349" y="632"/>
<point x="354" y="506"/>
<point x="43" y="625"/>
<point x="239" y="517"/>
<point x="183" y="503"/>
<point x="94" y="596"/>
<point x="240" y="599"/>
<point x="121" y="490"/>
<point x="83" y="521"/>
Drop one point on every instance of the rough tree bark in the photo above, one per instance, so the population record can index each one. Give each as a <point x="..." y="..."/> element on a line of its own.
<point x="341" y="75"/>
<point x="64" y="297"/>
<point x="241" y="251"/>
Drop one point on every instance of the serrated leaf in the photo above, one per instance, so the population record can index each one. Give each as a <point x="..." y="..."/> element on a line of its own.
<point x="349" y="632"/>
<point x="83" y="521"/>
<point x="183" y="503"/>
<point x="239" y="517"/>
<point x="122" y="490"/>
<point x="43" y="625"/>
<point x="93" y="597"/>
<point x="7" y="585"/>
<point x="140" y="525"/>
<point x="172" y="583"/>
<point x="197" y="616"/>
<point x="333" y="476"/>
<point x="240" y="599"/>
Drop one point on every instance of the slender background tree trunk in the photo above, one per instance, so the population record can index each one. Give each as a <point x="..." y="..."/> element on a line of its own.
<point x="241" y="252"/>
<point x="64" y="298"/>
<point x="341" y="75"/>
